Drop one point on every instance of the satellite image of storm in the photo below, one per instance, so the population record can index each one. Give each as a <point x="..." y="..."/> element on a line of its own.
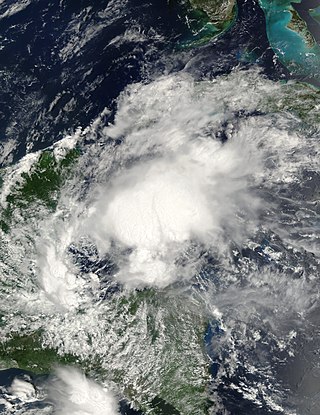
<point x="160" y="207"/>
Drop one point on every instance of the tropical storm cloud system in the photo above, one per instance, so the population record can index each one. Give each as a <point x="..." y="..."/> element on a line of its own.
<point x="159" y="207"/>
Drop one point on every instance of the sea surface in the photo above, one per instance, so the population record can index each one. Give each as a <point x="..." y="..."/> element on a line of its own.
<point x="159" y="208"/>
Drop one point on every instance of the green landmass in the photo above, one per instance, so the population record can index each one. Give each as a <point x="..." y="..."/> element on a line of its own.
<point x="301" y="100"/>
<point x="164" y="337"/>
<point x="40" y="185"/>
<point x="26" y="352"/>
<point x="220" y="12"/>
<point x="179" y="375"/>
<point x="291" y="40"/>
<point x="206" y="19"/>
<point x="298" y="25"/>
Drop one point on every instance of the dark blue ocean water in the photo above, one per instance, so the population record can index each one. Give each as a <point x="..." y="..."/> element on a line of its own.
<point x="55" y="52"/>
<point x="63" y="62"/>
<point x="303" y="9"/>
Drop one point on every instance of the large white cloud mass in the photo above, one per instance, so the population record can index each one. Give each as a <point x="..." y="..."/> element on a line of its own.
<point x="72" y="393"/>
<point x="197" y="166"/>
<point x="179" y="182"/>
<point x="157" y="208"/>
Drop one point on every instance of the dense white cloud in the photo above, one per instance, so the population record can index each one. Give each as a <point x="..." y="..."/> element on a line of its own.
<point x="22" y="389"/>
<point x="189" y="172"/>
<point x="160" y="206"/>
<point x="72" y="393"/>
<point x="178" y="182"/>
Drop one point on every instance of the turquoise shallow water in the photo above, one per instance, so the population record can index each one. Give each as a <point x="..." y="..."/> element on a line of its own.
<point x="315" y="13"/>
<point x="291" y="47"/>
<point x="229" y="285"/>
